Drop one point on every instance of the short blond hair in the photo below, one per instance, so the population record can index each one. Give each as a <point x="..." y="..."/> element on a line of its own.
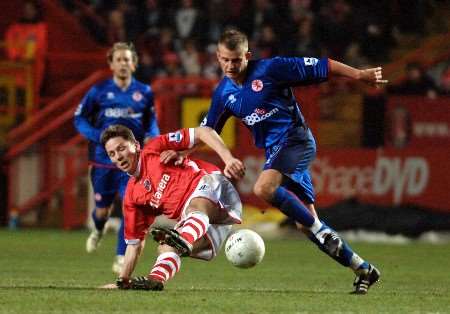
<point x="234" y="39"/>
<point x="122" y="46"/>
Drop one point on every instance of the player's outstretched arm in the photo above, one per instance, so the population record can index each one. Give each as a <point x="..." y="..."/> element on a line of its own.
<point x="370" y="76"/>
<point x="234" y="168"/>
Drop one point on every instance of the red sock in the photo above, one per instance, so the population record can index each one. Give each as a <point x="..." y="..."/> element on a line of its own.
<point x="166" y="266"/>
<point x="194" y="227"/>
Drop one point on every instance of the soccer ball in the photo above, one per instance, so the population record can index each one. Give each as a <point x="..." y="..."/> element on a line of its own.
<point x="244" y="248"/>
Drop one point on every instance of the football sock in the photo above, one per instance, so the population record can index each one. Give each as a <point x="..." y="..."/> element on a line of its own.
<point x="121" y="245"/>
<point x="347" y="258"/>
<point x="292" y="207"/>
<point x="98" y="222"/>
<point x="166" y="266"/>
<point x="194" y="226"/>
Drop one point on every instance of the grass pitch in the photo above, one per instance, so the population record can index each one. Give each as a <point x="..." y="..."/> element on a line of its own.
<point x="49" y="272"/>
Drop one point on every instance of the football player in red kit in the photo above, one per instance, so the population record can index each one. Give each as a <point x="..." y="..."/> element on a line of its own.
<point x="196" y="194"/>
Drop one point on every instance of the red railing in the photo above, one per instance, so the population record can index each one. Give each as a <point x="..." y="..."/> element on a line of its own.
<point x="49" y="136"/>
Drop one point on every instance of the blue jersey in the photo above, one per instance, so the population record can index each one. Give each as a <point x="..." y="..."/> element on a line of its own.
<point x="106" y="104"/>
<point x="265" y="101"/>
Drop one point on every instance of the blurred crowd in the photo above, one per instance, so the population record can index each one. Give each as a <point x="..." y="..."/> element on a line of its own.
<point x="178" y="36"/>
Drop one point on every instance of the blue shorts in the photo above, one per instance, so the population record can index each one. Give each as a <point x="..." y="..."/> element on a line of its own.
<point x="106" y="183"/>
<point x="293" y="159"/>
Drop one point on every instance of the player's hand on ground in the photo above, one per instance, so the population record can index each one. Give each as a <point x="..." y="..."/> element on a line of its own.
<point x="109" y="286"/>
<point x="234" y="169"/>
<point x="168" y="156"/>
<point x="373" y="76"/>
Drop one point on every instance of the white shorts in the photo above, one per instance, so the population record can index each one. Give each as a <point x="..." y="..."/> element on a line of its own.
<point x="219" y="190"/>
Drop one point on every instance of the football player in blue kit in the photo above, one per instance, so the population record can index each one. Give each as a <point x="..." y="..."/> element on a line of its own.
<point x="119" y="100"/>
<point x="260" y="93"/>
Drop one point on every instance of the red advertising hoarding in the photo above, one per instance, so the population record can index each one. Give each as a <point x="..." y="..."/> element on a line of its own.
<point x="418" y="122"/>
<point x="383" y="177"/>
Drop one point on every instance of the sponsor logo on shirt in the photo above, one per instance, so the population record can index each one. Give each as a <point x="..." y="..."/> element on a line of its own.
<point x="175" y="136"/>
<point x="155" y="200"/>
<point x="137" y="96"/>
<point x="259" y="115"/>
<point x="310" y="61"/>
<point x="257" y="85"/>
<point x="147" y="185"/>
<point x="122" y="113"/>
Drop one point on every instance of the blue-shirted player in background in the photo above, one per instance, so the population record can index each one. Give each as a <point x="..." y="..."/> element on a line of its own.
<point x="259" y="93"/>
<point x="119" y="100"/>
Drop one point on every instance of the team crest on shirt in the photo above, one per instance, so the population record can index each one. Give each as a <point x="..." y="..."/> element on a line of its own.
<point x="147" y="185"/>
<point x="137" y="96"/>
<point x="110" y="95"/>
<point x="175" y="137"/>
<point x="98" y="197"/>
<point x="257" y="85"/>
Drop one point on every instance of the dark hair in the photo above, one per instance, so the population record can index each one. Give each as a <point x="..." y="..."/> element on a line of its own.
<point x="122" y="46"/>
<point x="233" y="39"/>
<point x="116" y="130"/>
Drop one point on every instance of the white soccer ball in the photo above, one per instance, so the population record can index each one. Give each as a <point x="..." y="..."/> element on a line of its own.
<point x="244" y="248"/>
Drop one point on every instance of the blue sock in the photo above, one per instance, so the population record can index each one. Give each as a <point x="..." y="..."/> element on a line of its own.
<point x="121" y="245"/>
<point x="99" y="222"/>
<point x="348" y="258"/>
<point x="291" y="206"/>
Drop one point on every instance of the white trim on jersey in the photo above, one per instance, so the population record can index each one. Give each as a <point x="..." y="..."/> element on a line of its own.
<point x="132" y="241"/>
<point x="191" y="137"/>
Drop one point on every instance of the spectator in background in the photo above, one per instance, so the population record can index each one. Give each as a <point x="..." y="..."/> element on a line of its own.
<point x="116" y="31"/>
<point x="153" y="18"/>
<point x="256" y="15"/>
<point x="305" y="42"/>
<point x="147" y="69"/>
<point x="216" y="19"/>
<point x="336" y="28"/>
<point x="417" y="82"/>
<point x="211" y="69"/>
<point x="172" y="66"/>
<point x="445" y="81"/>
<point x="190" y="58"/>
<point x="26" y="41"/>
<point x="267" y="45"/>
<point x="188" y="21"/>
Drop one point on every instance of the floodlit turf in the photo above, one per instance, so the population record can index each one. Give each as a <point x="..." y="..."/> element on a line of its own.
<point x="49" y="272"/>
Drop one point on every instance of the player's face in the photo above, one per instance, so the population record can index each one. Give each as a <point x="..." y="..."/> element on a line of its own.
<point x="122" y="64"/>
<point x="233" y="62"/>
<point x="123" y="153"/>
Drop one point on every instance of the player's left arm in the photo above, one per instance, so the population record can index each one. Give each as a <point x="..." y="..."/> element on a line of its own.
<point x="153" y="129"/>
<point x="234" y="168"/>
<point x="132" y="254"/>
<point x="371" y="76"/>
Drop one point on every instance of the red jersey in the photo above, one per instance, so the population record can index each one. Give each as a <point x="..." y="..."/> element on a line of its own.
<point x="161" y="188"/>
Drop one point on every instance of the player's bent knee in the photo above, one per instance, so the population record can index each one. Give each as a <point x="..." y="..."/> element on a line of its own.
<point x="102" y="212"/>
<point x="264" y="191"/>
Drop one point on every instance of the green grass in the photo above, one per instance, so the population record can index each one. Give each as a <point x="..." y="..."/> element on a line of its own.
<point x="49" y="272"/>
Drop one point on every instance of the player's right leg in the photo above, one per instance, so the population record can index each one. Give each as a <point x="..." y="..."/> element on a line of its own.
<point x="104" y="193"/>
<point x="100" y="217"/>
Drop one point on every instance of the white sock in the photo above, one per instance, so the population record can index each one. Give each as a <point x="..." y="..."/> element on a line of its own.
<point x="316" y="226"/>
